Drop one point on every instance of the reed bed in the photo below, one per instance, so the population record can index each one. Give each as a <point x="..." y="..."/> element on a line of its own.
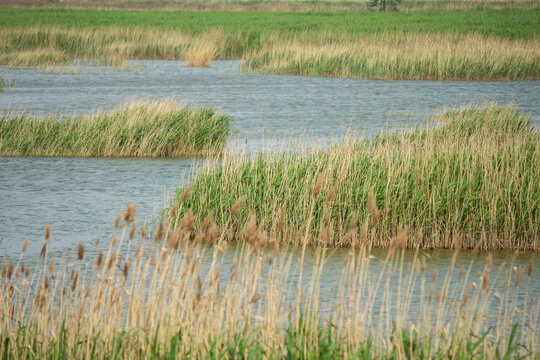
<point x="423" y="45"/>
<point x="185" y="295"/>
<point x="472" y="183"/>
<point x="141" y="128"/>
<point x="402" y="56"/>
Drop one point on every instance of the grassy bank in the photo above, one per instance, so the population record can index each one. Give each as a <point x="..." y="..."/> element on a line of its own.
<point x="176" y="298"/>
<point x="136" y="129"/>
<point x="438" y="45"/>
<point x="472" y="183"/>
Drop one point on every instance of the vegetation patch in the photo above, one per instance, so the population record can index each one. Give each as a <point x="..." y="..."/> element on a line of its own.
<point x="401" y="56"/>
<point x="435" y="45"/>
<point x="472" y="183"/>
<point x="177" y="297"/>
<point x="136" y="129"/>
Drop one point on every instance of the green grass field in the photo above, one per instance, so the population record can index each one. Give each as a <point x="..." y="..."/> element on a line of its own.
<point x="521" y="24"/>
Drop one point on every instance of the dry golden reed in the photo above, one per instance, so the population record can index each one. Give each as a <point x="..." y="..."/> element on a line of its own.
<point x="384" y="55"/>
<point x="247" y="294"/>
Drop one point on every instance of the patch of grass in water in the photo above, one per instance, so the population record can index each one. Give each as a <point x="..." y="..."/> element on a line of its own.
<point x="136" y="129"/>
<point x="473" y="183"/>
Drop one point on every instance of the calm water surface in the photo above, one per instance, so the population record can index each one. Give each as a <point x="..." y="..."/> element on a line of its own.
<point x="79" y="198"/>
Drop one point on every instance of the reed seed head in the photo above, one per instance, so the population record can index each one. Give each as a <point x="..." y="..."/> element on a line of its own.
<point x="236" y="206"/>
<point x="25" y="246"/>
<point x="248" y="232"/>
<point x="125" y="271"/>
<point x="111" y="262"/>
<point x="188" y="192"/>
<point x="159" y="232"/>
<point x="213" y="232"/>
<point x="206" y="221"/>
<point x="331" y="194"/>
<point x="43" y="250"/>
<point x="80" y="251"/>
<point x="52" y="265"/>
<point x="47" y="233"/>
<point x="131" y="210"/>
<point x="318" y="186"/>
<point x="132" y="231"/>
<point x="9" y="269"/>
<point x="400" y="240"/>
<point x="74" y="282"/>
<point x="175" y="239"/>
<point x="99" y="261"/>
<point x="117" y="220"/>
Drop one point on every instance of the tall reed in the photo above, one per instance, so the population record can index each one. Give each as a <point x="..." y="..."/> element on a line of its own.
<point x="185" y="295"/>
<point x="136" y="129"/>
<point x="472" y="183"/>
<point x="401" y="56"/>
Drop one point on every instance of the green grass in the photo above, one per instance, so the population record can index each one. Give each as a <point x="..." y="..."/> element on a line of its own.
<point x="472" y="183"/>
<point x="138" y="129"/>
<point x="506" y="23"/>
<point x="301" y="341"/>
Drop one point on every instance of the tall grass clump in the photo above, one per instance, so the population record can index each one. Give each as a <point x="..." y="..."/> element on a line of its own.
<point x="185" y="295"/>
<point x="136" y="129"/>
<point x="472" y="183"/>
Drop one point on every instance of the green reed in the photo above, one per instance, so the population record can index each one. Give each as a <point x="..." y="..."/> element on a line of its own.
<point x="136" y="129"/>
<point x="472" y="183"/>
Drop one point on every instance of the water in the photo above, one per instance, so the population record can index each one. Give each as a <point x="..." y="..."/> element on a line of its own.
<point x="79" y="198"/>
<point x="261" y="106"/>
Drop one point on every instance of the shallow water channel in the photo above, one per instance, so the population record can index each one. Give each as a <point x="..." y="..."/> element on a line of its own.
<point x="79" y="198"/>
